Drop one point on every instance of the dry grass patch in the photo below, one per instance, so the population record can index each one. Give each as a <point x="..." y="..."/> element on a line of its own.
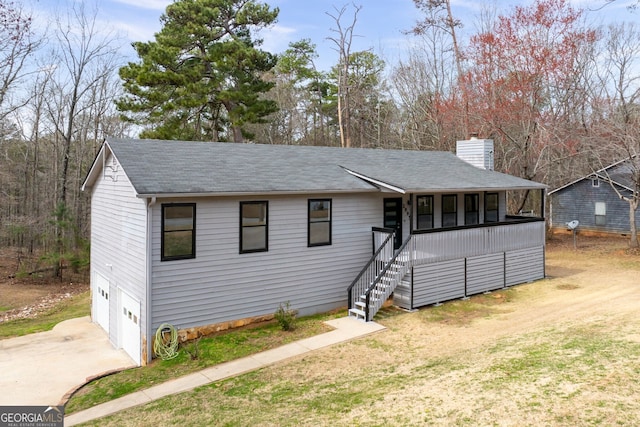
<point x="567" y="375"/>
<point x="464" y="312"/>
<point x="563" y="351"/>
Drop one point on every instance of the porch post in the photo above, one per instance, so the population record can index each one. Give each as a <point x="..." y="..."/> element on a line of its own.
<point x="410" y="213"/>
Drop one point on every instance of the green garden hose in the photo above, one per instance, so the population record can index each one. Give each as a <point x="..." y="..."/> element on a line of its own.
<point x="164" y="348"/>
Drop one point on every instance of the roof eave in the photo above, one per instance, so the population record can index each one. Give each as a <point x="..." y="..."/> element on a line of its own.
<point x="96" y="167"/>
<point x="591" y="176"/>
<point x="472" y="189"/>
<point x="376" y="182"/>
<point x="597" y="173"/>
<point x="192" y="195"/>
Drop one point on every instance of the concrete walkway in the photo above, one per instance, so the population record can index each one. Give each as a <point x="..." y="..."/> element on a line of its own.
<point x="346" y="329"/>
<point x="38" y="369"/>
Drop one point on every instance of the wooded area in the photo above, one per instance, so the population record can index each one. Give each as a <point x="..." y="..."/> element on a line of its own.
<point x="558" y="96"/>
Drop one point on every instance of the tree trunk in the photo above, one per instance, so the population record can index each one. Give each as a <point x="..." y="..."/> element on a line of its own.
<point x="458" y="57"/>
<point x="340" y="119"/>
<point x="237" y="134"/>
<point x="633" y="206"/>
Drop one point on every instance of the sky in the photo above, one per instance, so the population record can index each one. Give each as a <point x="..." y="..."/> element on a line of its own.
<point x="379" y="27"/>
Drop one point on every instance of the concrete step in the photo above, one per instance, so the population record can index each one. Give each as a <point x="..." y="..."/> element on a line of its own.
<point x="359" y="314"/>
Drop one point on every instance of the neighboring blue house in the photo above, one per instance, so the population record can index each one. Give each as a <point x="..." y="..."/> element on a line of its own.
<point x="593" y="202"/>
<point x="213" y="235"/>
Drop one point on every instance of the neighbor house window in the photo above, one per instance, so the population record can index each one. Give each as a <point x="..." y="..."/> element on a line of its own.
<point x="178" y="231"/>
<point x="471" y="209"/>
<point x="595" y="182"/>
<point x="449" y="210"/>
<point x="491" y="207"/>
<point x="425" y="212"/>
<point x="601" y="213"/>
<point x="319" y="225"/>
<point x="253" y="226"/>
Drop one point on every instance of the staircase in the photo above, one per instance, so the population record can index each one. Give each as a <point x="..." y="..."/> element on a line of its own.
<point x="378" y="279"/>
<point x="379" y="291"/>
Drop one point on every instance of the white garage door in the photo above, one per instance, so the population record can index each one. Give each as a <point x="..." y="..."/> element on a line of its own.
<point x="101" y="301"/>
<point x="129" y="326"/>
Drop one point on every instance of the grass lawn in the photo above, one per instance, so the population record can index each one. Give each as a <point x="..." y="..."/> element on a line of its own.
<point x="211" y="350"/>
<point x="563" y="351"/>
<point x="76" y="306"/>
<point x="535" y="377"/>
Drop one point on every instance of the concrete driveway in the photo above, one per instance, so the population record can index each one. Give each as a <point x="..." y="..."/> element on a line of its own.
<point x="39" y="369"/>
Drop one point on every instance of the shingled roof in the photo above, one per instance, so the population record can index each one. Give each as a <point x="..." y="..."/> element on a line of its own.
<point x="619" y="173"/>
<point x="175" y="168"/>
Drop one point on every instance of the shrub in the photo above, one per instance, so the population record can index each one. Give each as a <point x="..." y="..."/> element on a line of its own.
<point x="286" y="316"/>
<point x="193" y="349"/>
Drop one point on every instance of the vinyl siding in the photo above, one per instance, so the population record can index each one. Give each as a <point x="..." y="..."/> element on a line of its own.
<point x="221" y="284"/>
<point x="472" y="261"/>
<point x="438" y="282"/>
<point x="118" y="241"/>
<point x="525" y="265"/>
<point x="578" y="201"/>
<point x="478" y="152"/>
<point x="485" y="273"/>
<point x="447" y="280"/>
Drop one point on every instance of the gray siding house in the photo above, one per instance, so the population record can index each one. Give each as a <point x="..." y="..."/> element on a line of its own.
<point x="213" y="235"/>
<point x="593" y="202"/>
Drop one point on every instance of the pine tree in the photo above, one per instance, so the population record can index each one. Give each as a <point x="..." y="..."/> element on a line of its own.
<point x="201" y="79"/>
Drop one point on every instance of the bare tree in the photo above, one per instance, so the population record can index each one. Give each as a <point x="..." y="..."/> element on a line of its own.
<point x="438" y="16"/>
<point x="419" y="81"/>
<point x="37" y="191"/>
<point x="342" y="40"/>
<point x="87" y="61"/>
<point x="18" y="43"/>
<point x="618" y="129"/>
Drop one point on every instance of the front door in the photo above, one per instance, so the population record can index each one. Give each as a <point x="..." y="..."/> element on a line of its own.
<point x="393" y="218"/>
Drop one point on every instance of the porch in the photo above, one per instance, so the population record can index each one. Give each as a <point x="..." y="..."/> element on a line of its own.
<point x="437" y="265"/>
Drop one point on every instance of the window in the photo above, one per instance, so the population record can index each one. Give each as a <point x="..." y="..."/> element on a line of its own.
<point x="425" y="212"/>
<point x="601" y="213"/>
<point x="595" y="182"/>
<point x="253" y="226"/>
<point x="319" y="229"/>
<point x="471" y="209"/>
<point x="449" y="210"/>
<point x="178" y="231"/>
<point x="491" y="207"/>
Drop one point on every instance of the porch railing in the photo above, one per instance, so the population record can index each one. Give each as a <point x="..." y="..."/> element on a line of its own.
<point x="429" y="246"/>
<point x="447" y="244"/>
<point x="392" y="273"/>
<point x="380" y="258"/>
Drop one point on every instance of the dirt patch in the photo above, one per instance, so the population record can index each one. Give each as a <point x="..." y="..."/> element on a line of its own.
<point x="24" y="295"/>
<point x="573" y="341"/>
<point x="590" y="274"/>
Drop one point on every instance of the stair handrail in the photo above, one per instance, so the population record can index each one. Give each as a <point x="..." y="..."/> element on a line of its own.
<point x="386" y="267"/>
<point x="373" y="259"/>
